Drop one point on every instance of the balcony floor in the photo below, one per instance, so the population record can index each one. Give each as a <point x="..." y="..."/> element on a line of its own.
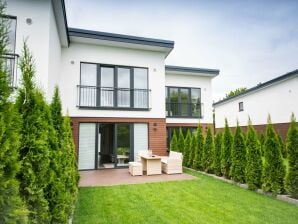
<point x="109" y="177"/>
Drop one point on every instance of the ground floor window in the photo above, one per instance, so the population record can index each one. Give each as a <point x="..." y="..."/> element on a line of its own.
<point x="171" y="130"/>
<point x="110" y="145"/>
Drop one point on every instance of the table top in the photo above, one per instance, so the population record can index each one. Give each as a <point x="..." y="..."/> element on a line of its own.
<point x="150" y="157"/>
<point x="122" y="157"/>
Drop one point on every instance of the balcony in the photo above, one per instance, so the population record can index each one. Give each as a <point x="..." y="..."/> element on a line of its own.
<point x="10" y="62"/>
<point x="185" y="110"/>
<point x="109" y="98"/>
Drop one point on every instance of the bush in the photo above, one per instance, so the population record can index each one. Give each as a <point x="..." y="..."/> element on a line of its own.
<point x="274" y="169"/>
<point x="197" y="163"/>
<point x="227" y="143"/>
<point x="262" y="143"/>
<point x="291" y="181"/>
<point x="180" y="146"/>
<point x="217" y="154"/>
<point x="282" y="145"/>
<point x="187" y="145"/>
<point x="208" y="152"/>
<point x="12" y="209"/>
<point x="253" y="169"/>
<point x="193" y="147"/>
<point x="174" y="143"/>
<point x="238" y="157"/>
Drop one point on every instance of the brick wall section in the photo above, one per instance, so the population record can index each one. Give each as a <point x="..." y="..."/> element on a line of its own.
<point x="157" y="130"/>
<point x="281" y="128"/>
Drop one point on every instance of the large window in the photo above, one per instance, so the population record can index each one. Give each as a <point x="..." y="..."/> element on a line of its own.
<point x="109" y="86"/>
<point x="183" y="102"/>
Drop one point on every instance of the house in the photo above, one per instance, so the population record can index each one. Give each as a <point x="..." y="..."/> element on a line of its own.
<point x="116" y="88"/>
<point x="277" y="97"/>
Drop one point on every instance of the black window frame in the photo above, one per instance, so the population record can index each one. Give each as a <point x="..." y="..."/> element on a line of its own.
<point x="115" y="87"/>
<point x="241" y="106"/>
<point x="190" y="114"/>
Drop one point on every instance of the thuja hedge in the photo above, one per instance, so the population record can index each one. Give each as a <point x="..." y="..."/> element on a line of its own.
<point x="243" y="158"/>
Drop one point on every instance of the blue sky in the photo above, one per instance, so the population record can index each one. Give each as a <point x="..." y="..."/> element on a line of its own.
<point x="249" y="41"/>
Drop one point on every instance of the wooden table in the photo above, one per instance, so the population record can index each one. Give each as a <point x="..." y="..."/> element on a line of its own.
<point x="151" y="164"/>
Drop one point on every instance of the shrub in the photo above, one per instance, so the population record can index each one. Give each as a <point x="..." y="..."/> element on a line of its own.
<point x="262" y="143"/>
<point x="253" y="169"/>
<point x="292" y="148"/>
<point x="180" y="146"/>
<point x="217" y="154"/>
<point x="193" y="147"/>
<point x="227" y="143"/>
<point x="274" y="169"/>
<point x="174" y="143"/>
<point x="12" y="209"/>
<point x="197" y="163"/>
<point x="238" y="157"/>
<point x="187" y="145"/>
<point x="208" y="151"/>
<point x="34" y="149"/>
<point x="282" y="146"/>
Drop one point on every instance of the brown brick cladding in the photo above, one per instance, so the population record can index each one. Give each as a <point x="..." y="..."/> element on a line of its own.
<point x="157" y="130"/>
<point x="281" y="128"/>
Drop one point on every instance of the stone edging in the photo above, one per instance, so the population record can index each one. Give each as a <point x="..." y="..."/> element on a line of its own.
<point x="281" y="197"/>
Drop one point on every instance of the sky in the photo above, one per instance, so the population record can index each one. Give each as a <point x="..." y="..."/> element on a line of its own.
<point x="249" y="41"/>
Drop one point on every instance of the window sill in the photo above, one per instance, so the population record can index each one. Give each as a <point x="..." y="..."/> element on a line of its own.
<point x="114" y="108"/>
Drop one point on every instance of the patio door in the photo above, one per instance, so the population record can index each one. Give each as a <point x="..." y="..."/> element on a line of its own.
<point x="123" y="147"/>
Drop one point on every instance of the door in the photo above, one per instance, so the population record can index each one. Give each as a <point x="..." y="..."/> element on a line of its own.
<point x="123" y="149"/>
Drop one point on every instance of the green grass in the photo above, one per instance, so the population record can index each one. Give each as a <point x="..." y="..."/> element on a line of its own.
<point x="204" y="200"/>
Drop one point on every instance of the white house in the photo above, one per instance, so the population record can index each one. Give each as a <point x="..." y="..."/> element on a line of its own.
<point x="277" y="97"/>
<point x="119" y="93"/>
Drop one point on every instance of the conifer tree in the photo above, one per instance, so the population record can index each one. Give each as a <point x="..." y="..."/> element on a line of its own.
<point x="274" y="169"/>
<point x="180" y="146"/>
<point x="187" y="145"/>
<point x="193" y="145"/>
<point x="197" y="163"/>
<point x="253" y="169"/>
<point x="217" y="154"/>
<point x="262" y="142"/>
<point x="12" y="209"/>
<point x="34" y="148"/>
<point x="208" y="152"/>
<point x="227" y="143"/>
<point x="238" y="155"/>
<point x="291" y="181"/>
<point x="174" y="142"/>
<point x="282" y="145"/>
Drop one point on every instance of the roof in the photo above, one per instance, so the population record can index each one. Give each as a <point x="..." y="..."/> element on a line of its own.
<point x="191" y="70"/>
<point x="61" y="20"/>
<point x="286" y="76"/>
<point x="120" y="38"/>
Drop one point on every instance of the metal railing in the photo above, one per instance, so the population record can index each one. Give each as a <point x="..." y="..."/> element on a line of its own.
<point x="10" y="62"/>
<point x="194" y="110"/>
<point x="109" y="97"/>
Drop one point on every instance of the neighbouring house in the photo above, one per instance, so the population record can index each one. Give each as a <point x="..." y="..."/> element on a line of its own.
<point x="277" y="97"/>
<point x="119" y="93"/>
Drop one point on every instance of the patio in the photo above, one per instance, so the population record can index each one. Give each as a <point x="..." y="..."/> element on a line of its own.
<point x="109" y="177"/>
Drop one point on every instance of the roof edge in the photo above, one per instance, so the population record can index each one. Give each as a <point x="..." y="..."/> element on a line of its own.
<point x="260" y="86"/>
<point x="175" y="68"/>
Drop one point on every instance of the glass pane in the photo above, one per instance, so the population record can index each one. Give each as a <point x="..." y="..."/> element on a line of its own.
<point x="196" y="102"/>
<point x="173" y="102"/>
<point x="11" y="35"/>
<point x="140" y="88"/>
<point x="107" y="87"/>
<point x="184" y="97"/>
<point x="123" y="87"/>
<point x="88" y="90"/>
<point x="123" y="144"/>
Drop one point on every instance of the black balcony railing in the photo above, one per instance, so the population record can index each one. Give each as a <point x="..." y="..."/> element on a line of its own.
<point x="194" y="110"/>
<point x="113" y="98"/>
<point x="10" y="62"/>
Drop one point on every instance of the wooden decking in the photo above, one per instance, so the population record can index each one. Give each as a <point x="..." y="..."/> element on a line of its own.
<point x="111" y="177"/>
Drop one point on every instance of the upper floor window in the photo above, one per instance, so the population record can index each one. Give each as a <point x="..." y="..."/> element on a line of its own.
<point x="10" y="58"/>
<point x="111" y="86"/>
<point x="183" y="102"/>
<point x="241" y="108"/>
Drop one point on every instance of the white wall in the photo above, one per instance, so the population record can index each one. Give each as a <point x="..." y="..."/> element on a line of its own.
<point x="206" y="94"/>
<point x="278" y="100"/>
<point x="70" y="77"/>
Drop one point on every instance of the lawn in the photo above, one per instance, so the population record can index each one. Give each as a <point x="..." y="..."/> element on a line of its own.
<point x="205" y="200"/>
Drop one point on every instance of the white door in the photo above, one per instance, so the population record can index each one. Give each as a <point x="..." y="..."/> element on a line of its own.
<point x="87" y="146"/>
<point x="140" y="138"/>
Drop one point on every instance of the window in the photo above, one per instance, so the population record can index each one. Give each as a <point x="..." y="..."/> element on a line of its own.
<point x="111" y="86"/>
<point x="183" y="102"/>
<point x="241" y="106"/>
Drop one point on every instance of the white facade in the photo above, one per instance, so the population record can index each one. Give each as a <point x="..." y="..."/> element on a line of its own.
<point x="279" y="99"/>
